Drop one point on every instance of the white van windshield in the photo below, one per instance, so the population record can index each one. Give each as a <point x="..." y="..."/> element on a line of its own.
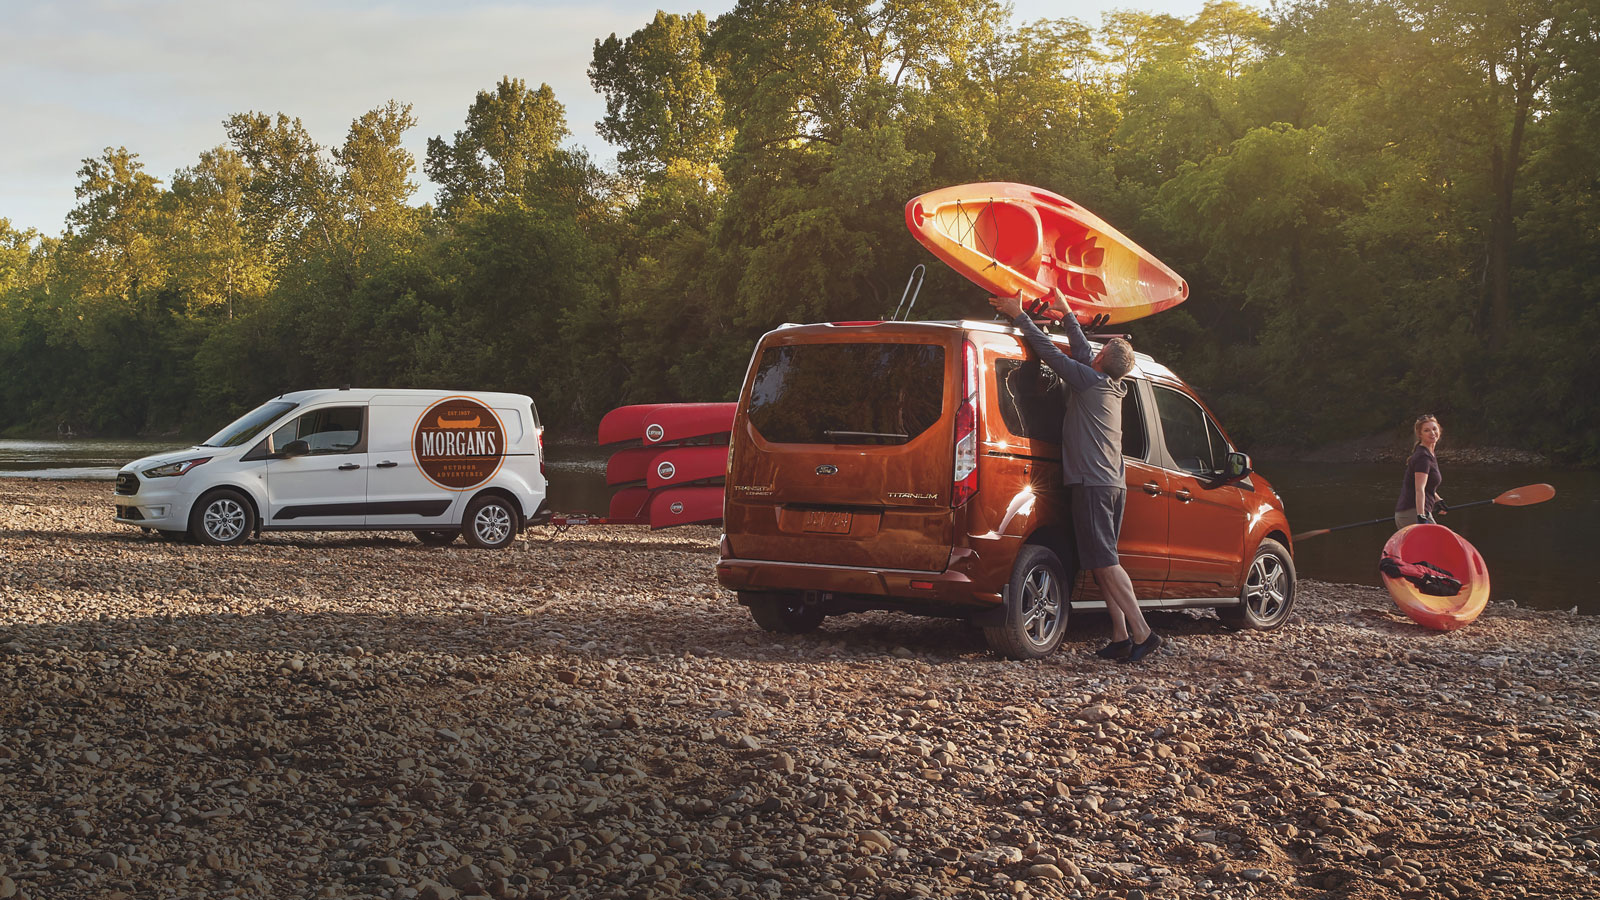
<point x="249" y="425"/>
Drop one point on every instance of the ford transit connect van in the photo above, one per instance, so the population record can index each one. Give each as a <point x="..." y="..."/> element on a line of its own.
<point x="438" y="463"/>
<point x="916" y="466"/>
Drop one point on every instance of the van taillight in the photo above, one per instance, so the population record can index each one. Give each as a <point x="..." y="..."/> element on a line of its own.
<point x="965" y="476"/>
<point x="541" y="453"/>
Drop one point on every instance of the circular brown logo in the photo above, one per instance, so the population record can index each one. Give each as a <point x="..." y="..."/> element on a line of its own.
<point x="458" y="443"/>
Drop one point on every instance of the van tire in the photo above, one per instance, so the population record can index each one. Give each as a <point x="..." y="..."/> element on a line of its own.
<point x="490" y="522"/>
<point x="783" y="612"/>
<point x="437" y="538"/>
<point x="1267" y="597"/>
<point x="222" y="518"/>
<point x="1036" y="607"/>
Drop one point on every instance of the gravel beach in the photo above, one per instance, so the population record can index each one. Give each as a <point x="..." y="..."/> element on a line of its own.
<point x="590" y="715"/>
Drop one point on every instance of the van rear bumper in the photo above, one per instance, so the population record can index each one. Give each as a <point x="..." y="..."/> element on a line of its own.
<point x="951" y="587"/>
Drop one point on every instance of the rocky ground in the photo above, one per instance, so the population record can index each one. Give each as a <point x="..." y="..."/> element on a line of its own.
<point x="591" y="716"/>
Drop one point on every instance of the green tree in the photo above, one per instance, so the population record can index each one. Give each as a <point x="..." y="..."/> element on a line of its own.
<point x="662" y="105"/>
<point x="509" y="135"/>
<point x="214" y="259"/>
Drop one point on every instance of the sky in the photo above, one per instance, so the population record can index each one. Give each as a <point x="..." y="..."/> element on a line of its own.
<point x="160" y="76"/>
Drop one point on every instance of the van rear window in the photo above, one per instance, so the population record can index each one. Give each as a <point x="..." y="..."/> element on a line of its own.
<point x="847" y="393"/>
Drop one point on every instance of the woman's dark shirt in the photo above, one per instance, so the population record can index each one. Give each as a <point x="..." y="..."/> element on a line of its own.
<point x="1422" y="460"/>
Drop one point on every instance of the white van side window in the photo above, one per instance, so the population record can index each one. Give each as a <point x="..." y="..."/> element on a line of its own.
<point x="331" y="429"/>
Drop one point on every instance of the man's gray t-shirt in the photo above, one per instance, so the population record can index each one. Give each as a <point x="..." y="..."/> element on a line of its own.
<point x="1091" y="430"/>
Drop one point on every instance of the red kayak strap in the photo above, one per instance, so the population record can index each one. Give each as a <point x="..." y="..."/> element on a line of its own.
<point x="1429" y="578"/>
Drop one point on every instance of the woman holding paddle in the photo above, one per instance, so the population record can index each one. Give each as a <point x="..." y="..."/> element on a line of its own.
<point x="1419" y="490"/>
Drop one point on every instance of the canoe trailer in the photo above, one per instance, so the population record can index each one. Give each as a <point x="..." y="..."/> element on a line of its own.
<point x="669" y="465"/>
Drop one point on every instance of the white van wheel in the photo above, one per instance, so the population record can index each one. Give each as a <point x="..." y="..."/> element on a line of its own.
<point x="490" y="523"/>
<point x="1036" y="613"/>
<point x="222" y="518"/>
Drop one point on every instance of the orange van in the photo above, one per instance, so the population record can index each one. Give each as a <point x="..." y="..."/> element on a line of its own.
<point x="916" y="466"/>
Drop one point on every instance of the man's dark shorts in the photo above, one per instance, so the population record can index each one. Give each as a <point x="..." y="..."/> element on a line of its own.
<point x="1096" y="522"/>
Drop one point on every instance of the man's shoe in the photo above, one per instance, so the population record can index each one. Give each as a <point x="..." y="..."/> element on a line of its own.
<point x="1144" y="648"/>
<point x="1115" y="650"/>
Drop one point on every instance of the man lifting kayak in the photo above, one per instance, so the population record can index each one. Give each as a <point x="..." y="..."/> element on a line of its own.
<point x="1091" y="465"/>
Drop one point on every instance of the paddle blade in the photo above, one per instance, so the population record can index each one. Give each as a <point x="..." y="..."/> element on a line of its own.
<point x="1318" y="532"/>
<point x="1526" y="495"/>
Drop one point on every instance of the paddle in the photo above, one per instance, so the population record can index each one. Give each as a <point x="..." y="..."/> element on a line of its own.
<point x="1527" y="495"/>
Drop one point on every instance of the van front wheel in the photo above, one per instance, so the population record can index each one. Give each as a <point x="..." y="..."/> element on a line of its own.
<point x="1036" y="608"/>
<point x="783" y="612"/>
<point x="222" y="518"/>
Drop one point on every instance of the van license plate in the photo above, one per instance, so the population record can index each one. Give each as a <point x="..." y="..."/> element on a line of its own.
<point x="827" y="522"/>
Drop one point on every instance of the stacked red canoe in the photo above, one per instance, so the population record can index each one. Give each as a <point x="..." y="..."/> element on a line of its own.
<point x="670" y="462"/>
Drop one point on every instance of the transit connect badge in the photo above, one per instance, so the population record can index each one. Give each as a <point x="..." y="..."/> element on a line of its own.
<point x="458" y="443"/>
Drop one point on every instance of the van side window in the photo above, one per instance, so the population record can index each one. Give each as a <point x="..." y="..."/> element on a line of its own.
<point x="1033" y="402"/>
<point x="332" y="429"/>
<point x="1188" y="433"/>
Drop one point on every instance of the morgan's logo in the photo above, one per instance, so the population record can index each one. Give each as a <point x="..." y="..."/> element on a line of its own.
<point x="458" y="443"/>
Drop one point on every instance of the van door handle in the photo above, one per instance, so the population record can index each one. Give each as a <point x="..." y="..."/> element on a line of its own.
<point x="1153" y="489"/>
<point x="386" y="464"/>
<point x="1183" y="494"/>
<point x="349" y="467"/>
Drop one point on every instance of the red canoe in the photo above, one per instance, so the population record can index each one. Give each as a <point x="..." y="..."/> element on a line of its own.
<point x="1009" y="237"/>
<point x="629" y="503"/>
<point x="1444" y="549"/>
<point x="686" y="464"/>
<point x="675" y="422"/>
<point x="626" y="423"/>
<point x="685" y="506"/>
<point x="628" y="466"/>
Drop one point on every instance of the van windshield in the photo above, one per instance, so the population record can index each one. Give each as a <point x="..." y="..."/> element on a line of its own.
<point x="249" y="425"/>
<point x="847" y="393"/>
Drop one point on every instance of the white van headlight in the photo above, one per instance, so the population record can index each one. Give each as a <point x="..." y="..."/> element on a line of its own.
<point x="172" y="469"/>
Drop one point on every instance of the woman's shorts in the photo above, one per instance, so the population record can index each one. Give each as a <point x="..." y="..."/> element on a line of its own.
<point x="1096" y="522"/>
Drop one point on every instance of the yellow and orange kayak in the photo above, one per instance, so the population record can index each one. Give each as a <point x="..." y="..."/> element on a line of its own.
<point x="1009" y="237"/>
<point x="1441" y="548"/>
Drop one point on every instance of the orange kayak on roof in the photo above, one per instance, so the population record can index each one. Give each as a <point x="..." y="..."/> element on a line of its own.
<point x="1008" y="237"/>
<point x="1439" y="548"/>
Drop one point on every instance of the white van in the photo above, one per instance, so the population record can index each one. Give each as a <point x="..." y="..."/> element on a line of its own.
<point x="437" y="463"/>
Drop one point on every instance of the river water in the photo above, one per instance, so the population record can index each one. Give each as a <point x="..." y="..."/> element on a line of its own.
<point x="1540" y="556"/>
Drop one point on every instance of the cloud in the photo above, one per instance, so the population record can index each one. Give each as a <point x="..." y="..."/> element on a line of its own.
<point x="160" y="77"/>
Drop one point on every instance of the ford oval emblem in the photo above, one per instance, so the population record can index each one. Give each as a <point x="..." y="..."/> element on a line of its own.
<point x="666" y="470"/>
<point x="655" y="433"/>
<point x="826" y="469"/>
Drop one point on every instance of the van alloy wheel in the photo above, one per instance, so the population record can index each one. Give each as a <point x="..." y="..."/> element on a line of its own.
<point x="1036" y="606"/>
<point x="224" y="520"/>
<point x="491" y="523"/>
<point x="1268" y="593"/>
<point x="1265" y="591"/>
<point x="1041" y="603"/>
<point x="224" y="517"/>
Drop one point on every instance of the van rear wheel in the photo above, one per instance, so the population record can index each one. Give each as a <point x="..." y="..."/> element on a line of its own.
<point x="1036" y="607"/>
<point x="490" y="523"/>
<point x="783" y="612"/>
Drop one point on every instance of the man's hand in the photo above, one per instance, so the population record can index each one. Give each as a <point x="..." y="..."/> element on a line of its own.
<point x="1009" y="307"/>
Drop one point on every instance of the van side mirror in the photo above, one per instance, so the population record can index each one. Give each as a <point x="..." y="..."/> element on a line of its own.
<point x="1237" y="467"/>
<point x="294" y="448"/>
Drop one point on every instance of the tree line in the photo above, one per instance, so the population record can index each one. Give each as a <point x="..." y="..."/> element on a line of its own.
<point x="1383" y="207"/>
